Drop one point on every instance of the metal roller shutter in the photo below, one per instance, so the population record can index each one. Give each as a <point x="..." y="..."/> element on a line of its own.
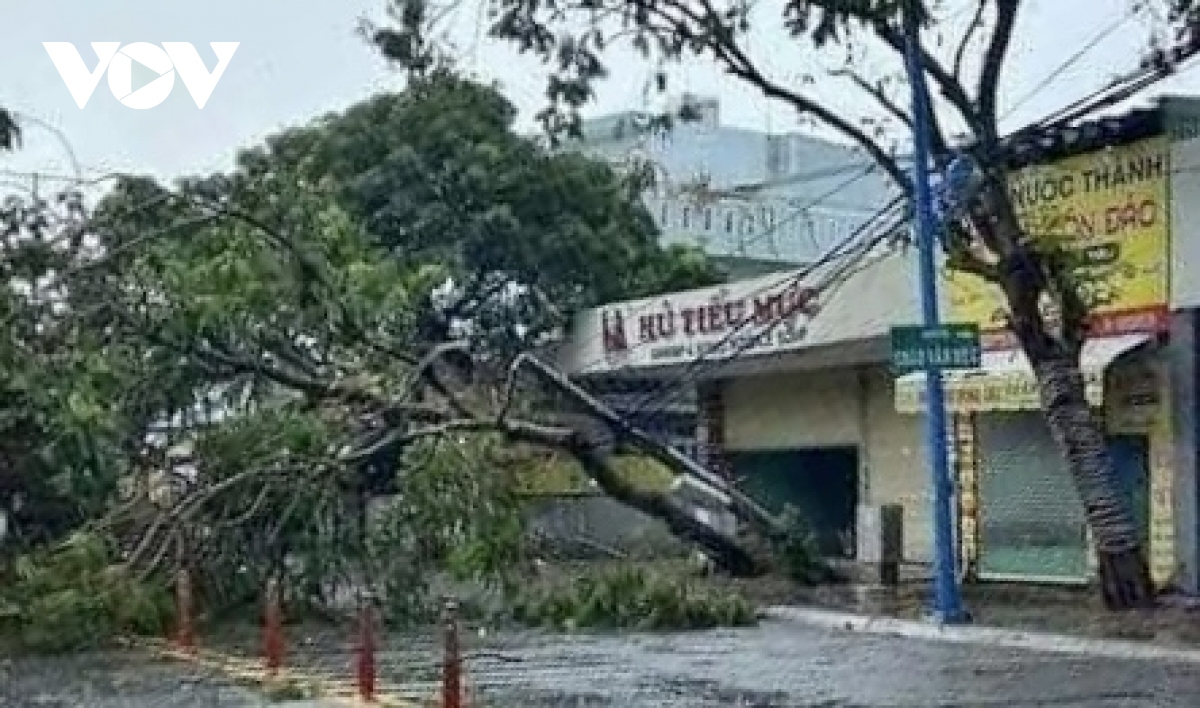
<point x="1032" y="525"/>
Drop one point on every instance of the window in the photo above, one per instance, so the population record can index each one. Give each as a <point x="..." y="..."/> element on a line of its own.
<point x="778" y="155"/>
<point x="708" y="219"/>
<point x="747" y="226"/>
<point x="687" y="217"/>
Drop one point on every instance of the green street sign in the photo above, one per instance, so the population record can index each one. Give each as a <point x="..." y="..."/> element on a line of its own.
<point x="950" y="346"/>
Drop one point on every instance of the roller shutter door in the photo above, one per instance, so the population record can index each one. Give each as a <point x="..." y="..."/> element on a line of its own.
<point x="1032" y="524"/>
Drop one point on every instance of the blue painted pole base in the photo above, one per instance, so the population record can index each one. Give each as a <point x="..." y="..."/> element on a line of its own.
<point x="940" y="618"/>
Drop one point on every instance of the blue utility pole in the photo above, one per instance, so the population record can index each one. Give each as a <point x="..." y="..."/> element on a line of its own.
<point x="947" y="606"/>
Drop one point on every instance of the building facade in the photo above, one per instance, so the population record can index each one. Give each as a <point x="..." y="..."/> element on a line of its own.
<point x="816" y="418"/>
<point x="754" y="201"/>
<point x="794" y="394"/>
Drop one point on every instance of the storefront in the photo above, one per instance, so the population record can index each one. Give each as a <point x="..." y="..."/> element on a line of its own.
<point x="1021" y="517"/>
<point x="800" y="413"/>
<point x="784" y="403"/>
<point x="828" y="440"/>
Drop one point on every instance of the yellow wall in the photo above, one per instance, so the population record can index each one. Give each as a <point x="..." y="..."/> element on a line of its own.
<point x="828" y="408"/>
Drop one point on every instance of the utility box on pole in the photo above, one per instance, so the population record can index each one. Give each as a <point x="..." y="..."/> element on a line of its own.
<point x="881" y="542"/>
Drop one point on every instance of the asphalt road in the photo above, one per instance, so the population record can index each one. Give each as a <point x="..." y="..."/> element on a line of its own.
<point x="118" y="680"/>
<point x="784" y="665"/>
<point x="781" y="665"/>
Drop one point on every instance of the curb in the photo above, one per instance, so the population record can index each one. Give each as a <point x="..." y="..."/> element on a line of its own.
<point x="250" y="671"/>
<point x="992" y="636"/>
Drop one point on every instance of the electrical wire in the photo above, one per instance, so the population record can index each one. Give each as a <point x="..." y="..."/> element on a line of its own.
<point x="702" y="365"/>
<point x="658" y="401"/>
<point x="811" y="204"/>
<point x="792" y="275"/>
<point x="863" y="170"/>
<point x="1071" y="61"/>
<point x="1163" y="65"/>
<point x="1117" y="90"/>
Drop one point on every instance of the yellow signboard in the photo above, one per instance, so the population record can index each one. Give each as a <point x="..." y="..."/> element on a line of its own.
<point x="968" y="392"/>
<point x="1110" y="205"/>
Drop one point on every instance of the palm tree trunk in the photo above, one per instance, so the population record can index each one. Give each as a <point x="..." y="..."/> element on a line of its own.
<point x="1124" y="574"/>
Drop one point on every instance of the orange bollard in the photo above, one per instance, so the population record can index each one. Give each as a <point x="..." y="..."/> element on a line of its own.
<point x="452" y="689"/>
<point x="273" y="640"/>
<point x="185" y="635"/>
<point x="365" y="668"/>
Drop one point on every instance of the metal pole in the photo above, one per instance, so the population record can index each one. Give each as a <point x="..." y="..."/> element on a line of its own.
<point x="947" y="606"/>
<point x="185" y="632"/>
<point x="273" y="639"/>
<point x="365" y="668"/>
<point x="452" y="668"/>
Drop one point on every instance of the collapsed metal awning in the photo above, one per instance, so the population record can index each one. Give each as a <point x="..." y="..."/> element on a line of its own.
<point x="1005" y="381"/>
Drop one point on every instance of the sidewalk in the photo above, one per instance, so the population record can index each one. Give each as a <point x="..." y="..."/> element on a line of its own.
<point x="1056" y="618"/>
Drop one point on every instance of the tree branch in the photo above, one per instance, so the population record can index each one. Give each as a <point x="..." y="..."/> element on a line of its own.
<point x="727" y="553"/>
<point x="710" y="31"/>
<point x="742" y="506"/>
<point x="738" y="64"/>
<point x="310" y="272"/>
<point x="968" y="35"/>
<point x="875" y="91"/>
<point x="993" y="65"/>
<point x="948" y="84"/>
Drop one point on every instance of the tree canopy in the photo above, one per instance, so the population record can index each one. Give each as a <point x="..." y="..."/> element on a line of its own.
<point x="319" y="326"/>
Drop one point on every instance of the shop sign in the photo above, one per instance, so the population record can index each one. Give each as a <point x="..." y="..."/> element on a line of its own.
<point x="988" y="391"/>
<point x="1111" y="208"/>
<point x="713" y="323"/>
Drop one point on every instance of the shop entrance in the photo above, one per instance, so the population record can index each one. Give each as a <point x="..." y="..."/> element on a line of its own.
<point x="821" y="483"/>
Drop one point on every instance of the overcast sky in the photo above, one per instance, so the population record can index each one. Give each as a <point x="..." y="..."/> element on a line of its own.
<point x="300" y="58"/>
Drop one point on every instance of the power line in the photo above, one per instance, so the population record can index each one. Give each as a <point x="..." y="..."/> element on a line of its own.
<point x="792" y="275"/>
<point x="1071" y="61"/>
<point x="791" y="217"/>
<point x="1158" y="67"/>
<point x="702" y="364"/>
<point x="1114" y="92"/>
<point x="803" y="210"/>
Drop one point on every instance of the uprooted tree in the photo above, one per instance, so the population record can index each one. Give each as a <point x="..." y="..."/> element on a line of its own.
<point x="364" y="308"/>
<point x="1036" y="276"/>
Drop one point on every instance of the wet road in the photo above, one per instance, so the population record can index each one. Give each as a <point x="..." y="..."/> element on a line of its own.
<point x="119" y="680"/>
<point x="781" y="665"/>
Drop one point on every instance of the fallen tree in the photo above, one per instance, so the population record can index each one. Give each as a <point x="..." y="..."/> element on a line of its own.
<point x="312" y="366"/>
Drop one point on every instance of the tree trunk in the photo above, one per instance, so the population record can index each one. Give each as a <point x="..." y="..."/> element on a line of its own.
<point x="1124" y="575"/>
<point x="1052" y="345"/>
<point x="745" y="509"/>
<point x="728" y="553"/>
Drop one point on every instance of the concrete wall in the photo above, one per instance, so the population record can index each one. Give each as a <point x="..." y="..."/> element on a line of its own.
<point x="1184" y="130"/>
<point x="833" y="408"/>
